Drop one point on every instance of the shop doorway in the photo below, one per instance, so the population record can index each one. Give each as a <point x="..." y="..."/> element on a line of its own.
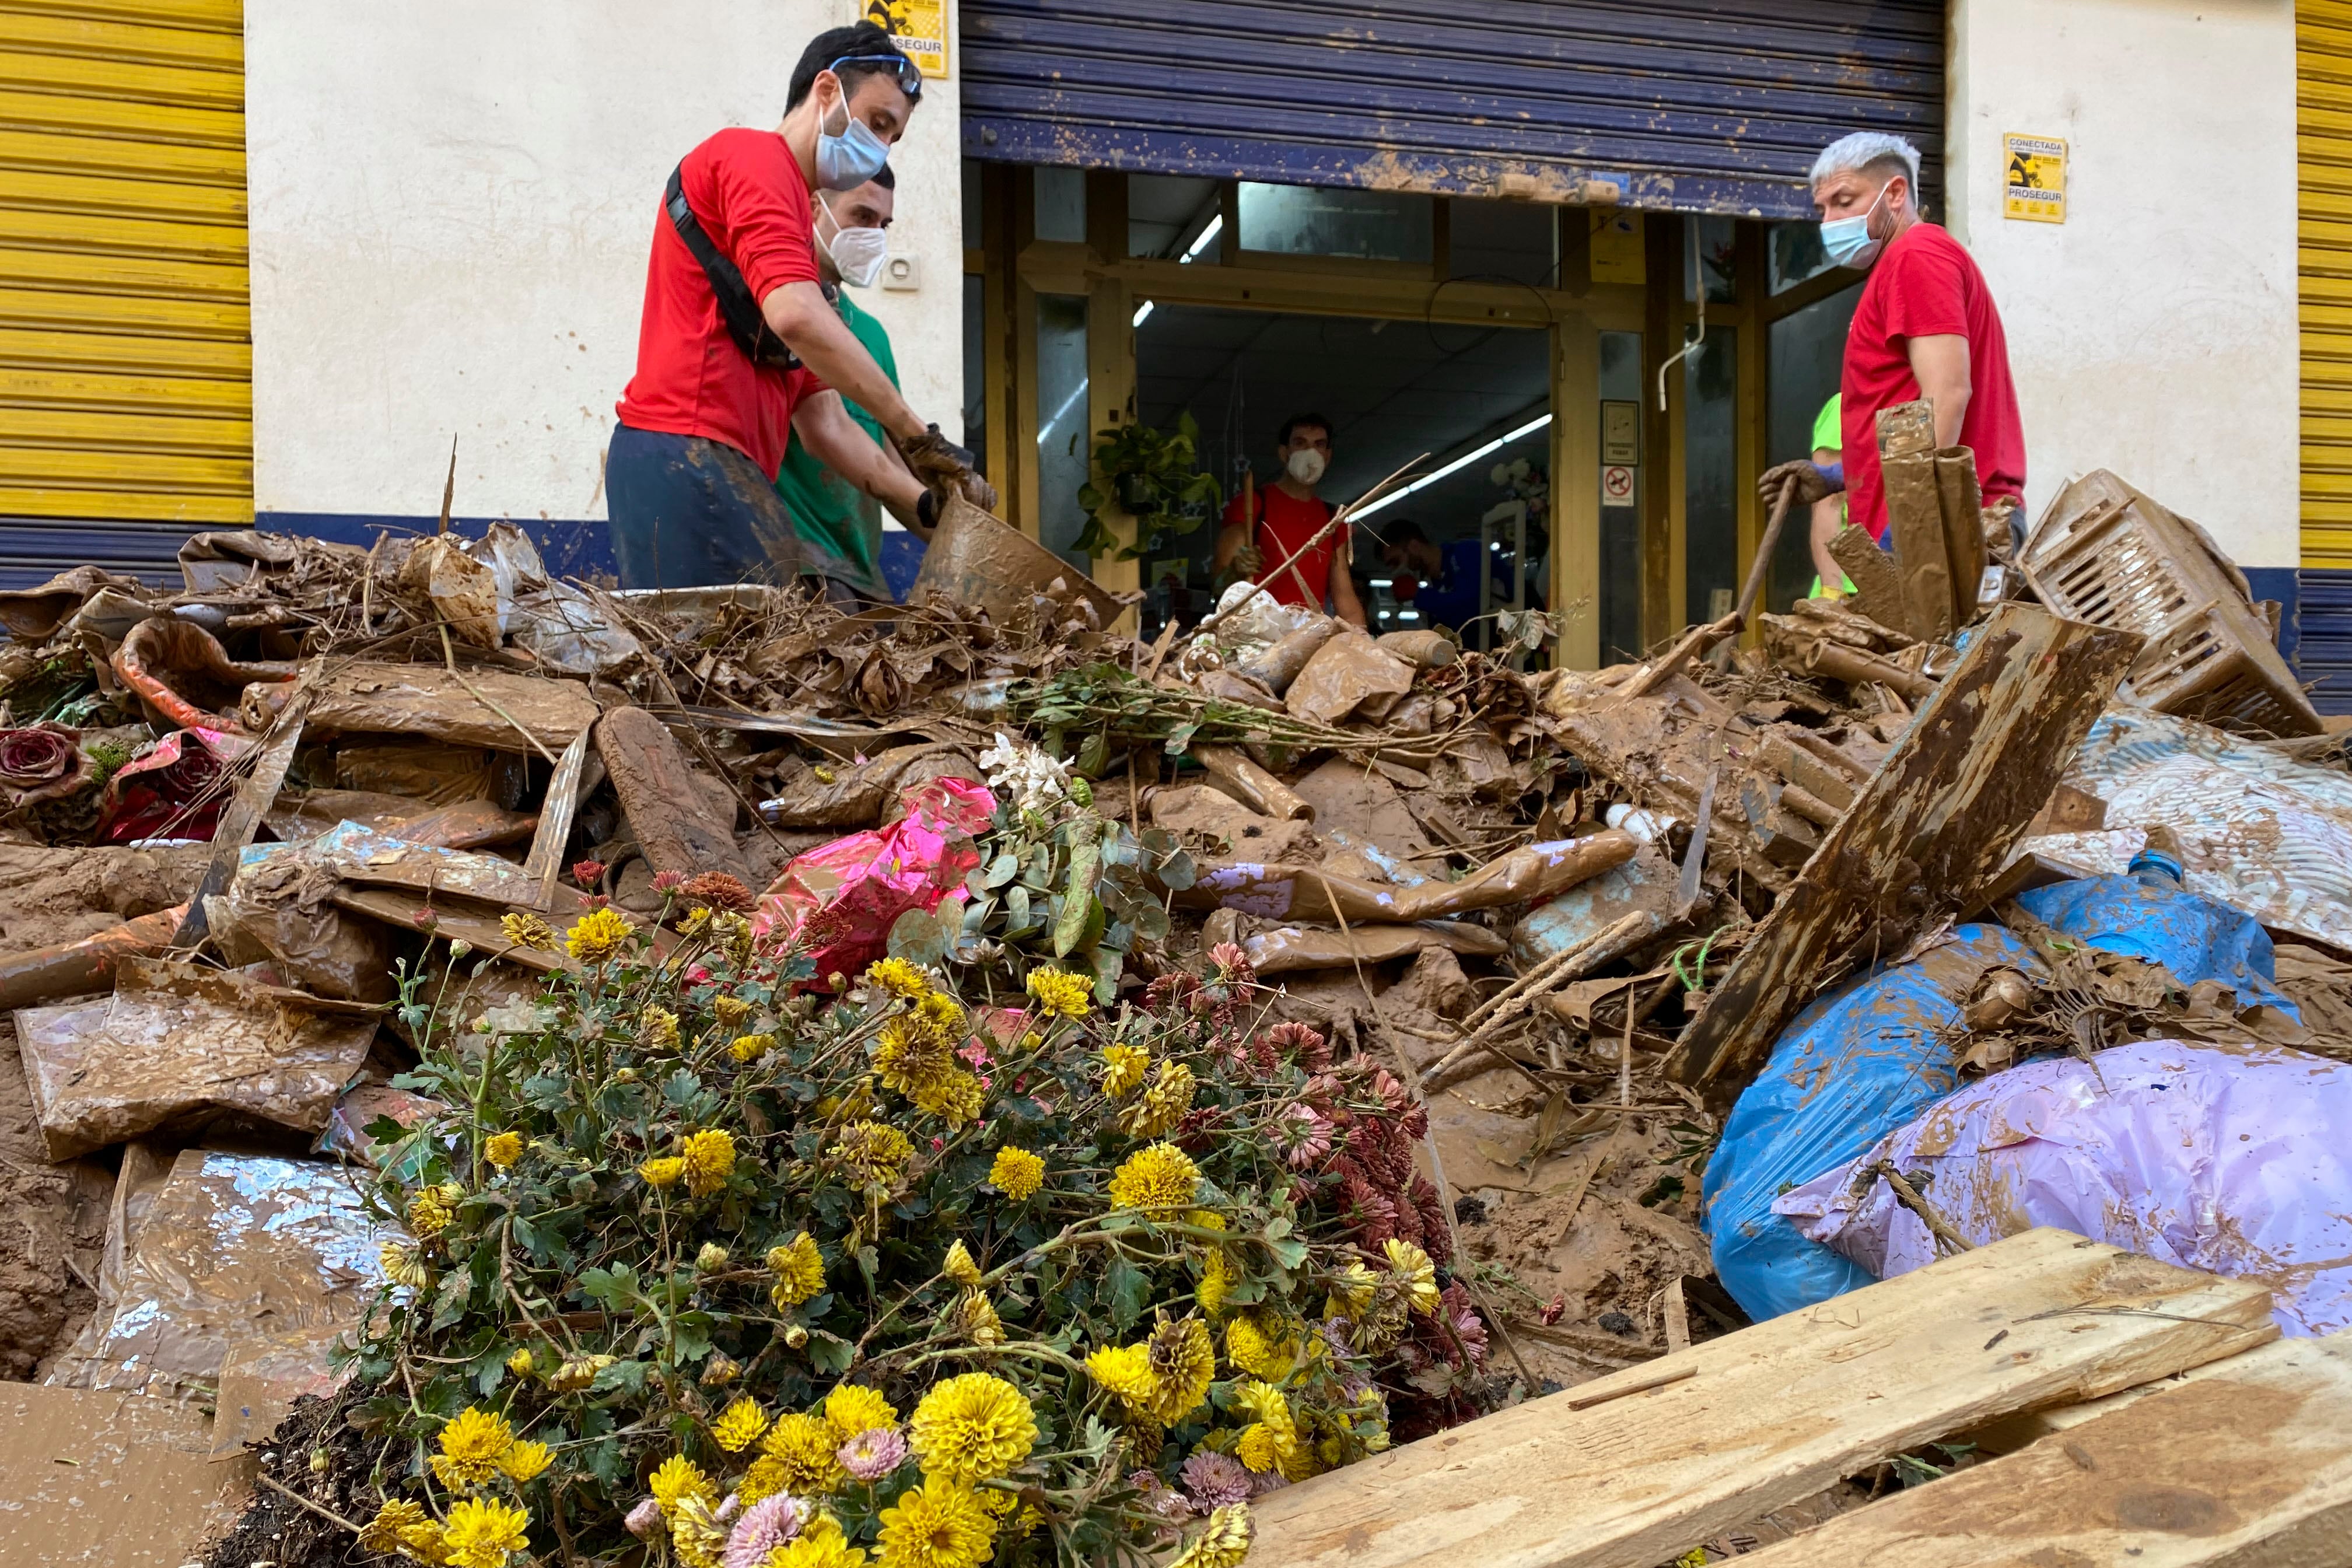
<point x="1464" y="411"/>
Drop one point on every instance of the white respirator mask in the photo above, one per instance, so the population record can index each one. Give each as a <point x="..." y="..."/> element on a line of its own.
<point x="857" y="254"/>
<point x="1307" y="465"/>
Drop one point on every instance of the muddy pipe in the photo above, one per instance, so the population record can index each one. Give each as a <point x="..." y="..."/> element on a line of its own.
<point x="1252" y="785"/>
<point x="78" y="968"/>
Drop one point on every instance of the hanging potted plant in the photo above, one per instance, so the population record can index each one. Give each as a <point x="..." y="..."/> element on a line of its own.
<point x="1155" y="477"/>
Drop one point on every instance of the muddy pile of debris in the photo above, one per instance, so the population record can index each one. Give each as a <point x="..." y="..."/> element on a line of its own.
<point x="1586" y="917"/>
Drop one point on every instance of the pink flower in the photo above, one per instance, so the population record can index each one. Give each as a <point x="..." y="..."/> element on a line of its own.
<point x="974" y="1052"/>
<point x="1234" y="964"/>
<point x="872" y="1453"/>
<point x="765" y="1525"/>
<point x="668" y="882"/>
<point x="1216" y="1480"/>
<point x="643" y="1519"/>
<point x="1303" y="1137"/>
<point x="1161" y="1499"/>
<point x="1288" y="1039"/>
<point x="587" y="873"/>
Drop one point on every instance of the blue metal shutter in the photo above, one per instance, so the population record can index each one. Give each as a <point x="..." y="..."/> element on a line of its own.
<point x="1689" y="107"/>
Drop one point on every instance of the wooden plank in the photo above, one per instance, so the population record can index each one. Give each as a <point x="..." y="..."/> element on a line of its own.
<point x="545" y="865"/>
<point x="664" y="802"/>
<point x="1767" y="1415"/>
<point x="2249" y="1465"/>
<point x="1929" y="829"/>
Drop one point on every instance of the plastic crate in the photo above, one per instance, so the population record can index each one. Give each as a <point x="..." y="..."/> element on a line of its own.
<point x="2107" y="553"/>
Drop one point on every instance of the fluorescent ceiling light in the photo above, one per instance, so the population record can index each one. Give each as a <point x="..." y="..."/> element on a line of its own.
<point x="1209" y="232"/>
<point x="1456" y="465"/>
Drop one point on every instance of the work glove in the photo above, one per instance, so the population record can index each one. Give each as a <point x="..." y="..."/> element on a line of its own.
<point x="945" y="469"/>
<point x="1248" y="561"/>
<point x="1813" y="482"/>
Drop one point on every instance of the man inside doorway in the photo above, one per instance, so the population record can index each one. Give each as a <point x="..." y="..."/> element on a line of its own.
<point x="736" y="333"/>
<point x="839" y="465"/>
<point x="1926" y="327"/>
<point x="1290" y="526"/>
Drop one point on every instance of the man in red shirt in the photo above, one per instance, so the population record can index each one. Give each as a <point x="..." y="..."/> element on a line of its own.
<point x="1926" y="327"/>
<point x="1290" y="514"/>
<point x="737" y="334"/>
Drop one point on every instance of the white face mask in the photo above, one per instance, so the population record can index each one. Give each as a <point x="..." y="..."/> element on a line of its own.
<point x="857" y="254"/>
<point x="1307" y="465"/>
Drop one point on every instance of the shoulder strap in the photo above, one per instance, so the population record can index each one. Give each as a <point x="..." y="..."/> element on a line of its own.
<point x="745" y="325"/>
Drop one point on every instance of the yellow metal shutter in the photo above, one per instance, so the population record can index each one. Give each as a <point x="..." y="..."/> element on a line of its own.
<point x="2324" y="179"/>
<point x="126" y="355"/>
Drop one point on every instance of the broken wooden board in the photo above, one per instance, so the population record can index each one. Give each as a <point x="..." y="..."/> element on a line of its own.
<point x="666" y="808"/>
<point x="95" y="1479"/>
<point x="1929" y="829"/>
<point x="2249" y="1465"/>
<point x="1874" y="575"/>
<point x="1631" y="1470"/>
<point x="545" y="865"/>
<point x="365" y="698"/>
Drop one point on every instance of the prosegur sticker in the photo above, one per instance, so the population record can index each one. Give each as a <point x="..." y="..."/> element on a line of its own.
<point x="2037" y="178"/>
<point x="918" y="27"/>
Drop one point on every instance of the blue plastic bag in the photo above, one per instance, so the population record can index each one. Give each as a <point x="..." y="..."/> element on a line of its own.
<point x="1868" y="1058"/>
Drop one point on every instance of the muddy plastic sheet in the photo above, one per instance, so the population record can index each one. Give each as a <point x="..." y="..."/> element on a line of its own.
<point x="1646" y="883"/>
<point x="2262" y="832"/>
<point x="1347" y="675"/>
<point x="279" y="909"/>
<point x="178" y="1045"/>
<point x="235" y="1248"/>
<point x="1312" y="894"/>
<point x="2230" y="1159"/>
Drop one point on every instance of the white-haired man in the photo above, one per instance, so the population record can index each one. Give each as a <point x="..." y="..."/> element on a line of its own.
<point x="1926" y="327"/>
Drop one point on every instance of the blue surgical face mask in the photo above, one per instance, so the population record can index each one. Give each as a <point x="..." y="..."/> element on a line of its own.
<point x="846" y="160"/>
<point x="1848" y="240"/>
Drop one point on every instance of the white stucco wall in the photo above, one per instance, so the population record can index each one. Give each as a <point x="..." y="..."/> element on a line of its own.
<point x="452" y="205"/>
<point x="2154" y="331"/>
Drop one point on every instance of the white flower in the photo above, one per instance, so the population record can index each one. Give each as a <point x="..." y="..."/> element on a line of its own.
<point x="1034" y="780"/>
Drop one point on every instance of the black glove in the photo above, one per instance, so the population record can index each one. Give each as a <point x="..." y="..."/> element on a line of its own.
<point x="1812" y="484"/>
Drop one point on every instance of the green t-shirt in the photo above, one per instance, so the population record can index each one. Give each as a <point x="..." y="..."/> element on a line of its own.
<point x="1829" y="432"/>
<point x="841" y="524"/>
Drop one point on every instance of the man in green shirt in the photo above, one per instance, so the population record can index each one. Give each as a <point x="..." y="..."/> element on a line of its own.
<point x="1829" y="512"/>
<point x="841" y="523"/>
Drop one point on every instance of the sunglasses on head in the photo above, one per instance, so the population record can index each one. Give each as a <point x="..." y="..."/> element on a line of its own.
<point x="910" y="75"/>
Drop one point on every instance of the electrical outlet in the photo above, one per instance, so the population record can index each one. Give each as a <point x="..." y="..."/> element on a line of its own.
<point x="900" y="272"/>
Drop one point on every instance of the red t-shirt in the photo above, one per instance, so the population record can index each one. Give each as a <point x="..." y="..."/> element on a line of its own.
<point x="1283" y="523"/>
<point x="1926" y="286"/>
<point x="746" y="190"/>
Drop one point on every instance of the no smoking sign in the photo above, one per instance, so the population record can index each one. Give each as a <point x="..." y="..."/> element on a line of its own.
<point x="1617" y="485"/>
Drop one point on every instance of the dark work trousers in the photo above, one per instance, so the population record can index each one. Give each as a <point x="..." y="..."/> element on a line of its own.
<point x="688" y="512"/>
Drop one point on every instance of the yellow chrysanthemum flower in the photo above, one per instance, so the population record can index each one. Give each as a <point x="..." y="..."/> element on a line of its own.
<point x="1126" y="1372"/>
<point x="471" y="1447"/>
<point x="381" y="1537"/>
<point x="799" y="1268"/>
<point x="1216" y="1281"/>
<point x="820" y="1544"/>
<point x="976" y="1318"/>
<point x="958" y="1266"/>
<point x="1351" y="1289"/>
<point x="937" y="1524"/>
<point x="730" y="1010"/>
<point x="751" y="1047"/>
<point x="598" y="935"/>
<point x="526" y="1461"/>
<point x="876" y="1153"/>
<point x="502" y="1149"/>
<point x="696" y="1534"/>
<point x="1414" y="1270"/>
<point x="1123" y="1069"/>
<point x="1060" y="994"/>
<point x="678" y="1479"/>
<point x="739" y="1425"/>
<point x="1270" y="1445"/>
<point x="1183" y="1362"/>
<point x="657" y="1029"/>
<point x="523" y="928"/>
<point x="430" y="1212"/>
<point x="912" y="1057"/>
<point x="1160" y="1177"/>
<point x="577" y="1373"/>
<point x="424" y="1542"/>
<point x="942" y="1012"/>
<point x="522" y="1364"/>
<point x="483" y="1533"/>
<point x="1016" y="1172"/>
<point x="1163" y="1105"/>
<point x="956" y="1097"/>
<point x="709" y="1156"/>
<point x="852" y="1408"/>
<point x="664" y="1171"/>
<point x="403" y="1266"/>
<point x="899" y="978"/>
<point x="972" y="1427"/>
<point x="1224" y="1542"/>
<point x="1254" y="1351"/>
<point x="804" y="1448"/>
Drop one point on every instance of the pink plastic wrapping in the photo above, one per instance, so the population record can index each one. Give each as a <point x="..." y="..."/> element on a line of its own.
<point x="843" y="898"/>
<point x="2230" y="1159"/>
